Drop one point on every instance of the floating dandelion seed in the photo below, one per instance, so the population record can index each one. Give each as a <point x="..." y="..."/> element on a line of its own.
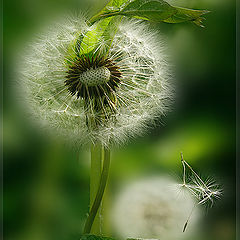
<point x="93" y="93"/>
<point x="204" y="191"/>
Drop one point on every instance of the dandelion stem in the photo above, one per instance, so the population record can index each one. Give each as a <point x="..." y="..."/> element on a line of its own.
<point x="95" y="176"/>
<point x="97" y="187"/>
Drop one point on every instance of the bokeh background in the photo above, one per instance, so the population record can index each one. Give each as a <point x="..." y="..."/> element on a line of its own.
<point x="46" y="184"/>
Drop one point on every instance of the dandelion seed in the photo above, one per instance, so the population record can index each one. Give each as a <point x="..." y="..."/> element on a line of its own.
<point x="93" y="94"/>
<point x="205" y="192"/>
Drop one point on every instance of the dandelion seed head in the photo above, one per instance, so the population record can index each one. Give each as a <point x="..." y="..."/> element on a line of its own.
<point x="154" y="208"/>
<point x="92" y="93"/>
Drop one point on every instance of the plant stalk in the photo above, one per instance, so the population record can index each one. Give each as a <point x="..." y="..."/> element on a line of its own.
<point x="93" y="224"/>
<point x="95" y="176"/>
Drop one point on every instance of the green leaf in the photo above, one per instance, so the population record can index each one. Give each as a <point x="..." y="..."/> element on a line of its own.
<point x="184" y="15"/>
<point x="94" y="237"/>
<point x="101" y="36"/>
<point x="110" y="31"/>
<point x="112" y="7"/>
<point x="152" y="10"/>
<point x="87" y="41"/>
<point x="117" y="3"/>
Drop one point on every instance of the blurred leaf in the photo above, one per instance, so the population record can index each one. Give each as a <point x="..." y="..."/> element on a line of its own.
<point x="184" y="14"/>
<point x="199" y="138"/>
<point x="94" y="237"/>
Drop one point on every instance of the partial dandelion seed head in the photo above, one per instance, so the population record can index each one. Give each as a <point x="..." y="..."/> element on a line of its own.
<point x="91" y="93"/>
<point x="154" y="208"/>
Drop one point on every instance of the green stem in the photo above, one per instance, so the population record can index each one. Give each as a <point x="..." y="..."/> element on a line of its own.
<point x="102" y="16"/>
<point x="95" y="176"/>
<point x="93" y="217"/>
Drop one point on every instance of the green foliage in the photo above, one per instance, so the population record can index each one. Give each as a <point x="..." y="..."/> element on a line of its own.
<point x="102" y="33"/>
<point x="184" y="15"/>
<point x="117" y="3"/>
<point x="110" y="31"/>
<point x="94" y="237"/>
<point x="150" y="10"/>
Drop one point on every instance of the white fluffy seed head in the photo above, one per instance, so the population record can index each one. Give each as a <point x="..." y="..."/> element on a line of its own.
<point x="154" y="208"/>
<point x="94" y="77"/>
<point x="142" y="94"/>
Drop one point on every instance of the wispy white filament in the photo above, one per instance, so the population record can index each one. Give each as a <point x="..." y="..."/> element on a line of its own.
<point x="206" y="191"/>
<point x="143" y="93"/>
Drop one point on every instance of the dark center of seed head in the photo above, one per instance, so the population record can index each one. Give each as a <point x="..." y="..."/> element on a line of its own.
<point x="95" y="76"/>
<point x="92" y="77"/>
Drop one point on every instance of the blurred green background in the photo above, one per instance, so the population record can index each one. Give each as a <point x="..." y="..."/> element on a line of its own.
<point x="46" y="184"/>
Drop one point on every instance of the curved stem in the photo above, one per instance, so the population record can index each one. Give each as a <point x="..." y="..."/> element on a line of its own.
<point x="100" y="192"/>
<point x="95" y="176"/>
